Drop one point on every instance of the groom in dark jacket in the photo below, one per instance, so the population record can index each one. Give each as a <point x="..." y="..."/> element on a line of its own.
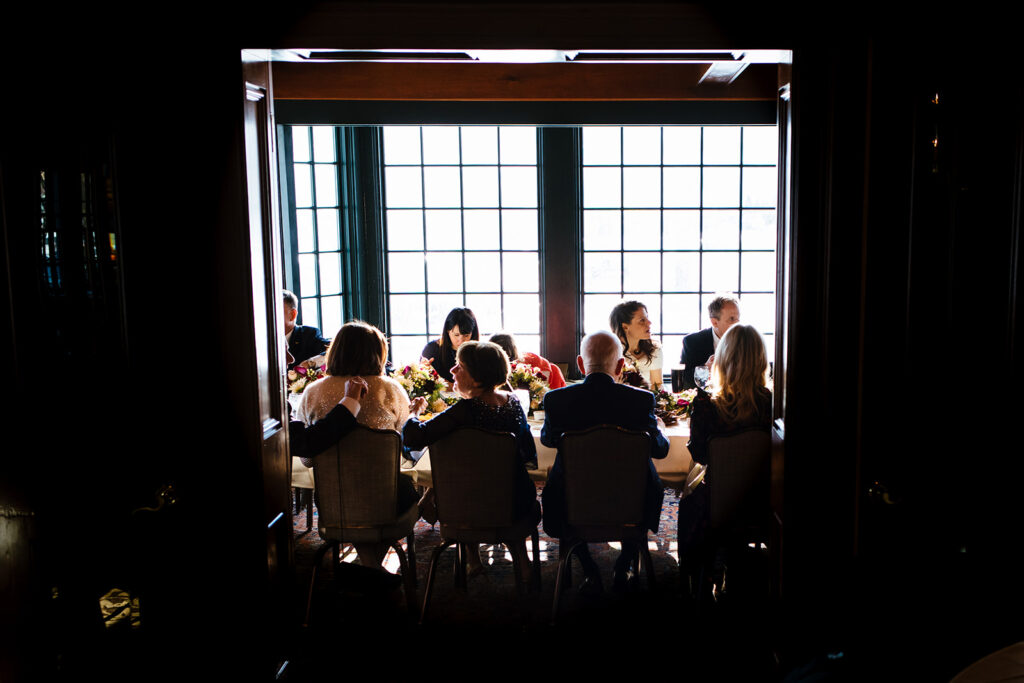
<point x="600" y="399"/>
<point x="304" y="341"/>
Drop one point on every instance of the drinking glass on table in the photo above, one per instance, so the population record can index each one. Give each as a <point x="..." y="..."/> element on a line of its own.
<point x="701" y="375"/>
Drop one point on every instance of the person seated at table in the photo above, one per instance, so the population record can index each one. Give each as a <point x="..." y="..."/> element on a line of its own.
<point x="480" y="368"/>
<point x="549" y="370"/>
<point x="629" y="322"/>
<point x="739" y="400"/>
<point x="600" y="400"/>
<point x="302" y="341"/>
<point x="360" y="350"/>
<point x="459" y="327"/>
<point x="308" y="441"/>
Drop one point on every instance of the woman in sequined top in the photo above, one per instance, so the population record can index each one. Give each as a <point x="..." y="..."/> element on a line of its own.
<point x="358" y="350"/>
<point x="480" y="368"/>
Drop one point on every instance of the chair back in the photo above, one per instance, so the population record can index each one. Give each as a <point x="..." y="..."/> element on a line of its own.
<point x="474" y="474"/>
<point x="738" y="476"/>
<point x="606" y="469"/>
<point x="357" y="479"/>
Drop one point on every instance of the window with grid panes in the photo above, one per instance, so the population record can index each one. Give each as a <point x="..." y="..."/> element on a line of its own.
<point x="673" y="215"/>
<point x="317" y="227"/>
<point x="461" y="219"/>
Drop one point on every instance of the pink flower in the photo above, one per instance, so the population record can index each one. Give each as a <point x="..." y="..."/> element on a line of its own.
<point x="301" y="370"/>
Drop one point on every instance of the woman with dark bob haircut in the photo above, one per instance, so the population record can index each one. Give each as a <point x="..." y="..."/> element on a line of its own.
<point x="459" y="327"/>
<point x="480" y="368"/>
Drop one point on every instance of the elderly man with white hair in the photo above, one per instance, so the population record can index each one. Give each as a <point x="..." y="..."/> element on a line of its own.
<point x="599" y="399"/>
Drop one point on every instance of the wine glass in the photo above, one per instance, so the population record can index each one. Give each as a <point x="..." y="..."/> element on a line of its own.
<point x="701" y="374"/>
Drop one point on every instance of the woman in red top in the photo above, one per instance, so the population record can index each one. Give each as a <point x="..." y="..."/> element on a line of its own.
<point x="551" y="372"/>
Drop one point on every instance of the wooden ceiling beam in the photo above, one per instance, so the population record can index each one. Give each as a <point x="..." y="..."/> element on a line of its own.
<point x="523" y="82"/>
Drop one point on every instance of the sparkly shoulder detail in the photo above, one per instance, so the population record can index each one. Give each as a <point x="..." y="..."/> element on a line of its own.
<point x="506" y="418"/>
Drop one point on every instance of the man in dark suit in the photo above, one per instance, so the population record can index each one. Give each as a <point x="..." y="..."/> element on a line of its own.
<point x="304" y="341"/>
<point x="600" y="399"/>
<point x="699" y="347"/>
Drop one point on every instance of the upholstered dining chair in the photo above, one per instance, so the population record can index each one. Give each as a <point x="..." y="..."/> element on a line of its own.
<point x="474" y="475"/>
<point x="737" y="490"/>
<point x="605" y="470"/>
<point x="357" y="493"/>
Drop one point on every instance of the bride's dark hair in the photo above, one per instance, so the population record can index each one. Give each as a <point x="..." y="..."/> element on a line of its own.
<point x="623" y="315"/>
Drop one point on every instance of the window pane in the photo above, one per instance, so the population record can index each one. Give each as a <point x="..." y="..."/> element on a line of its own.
<point x="682" y="229"/>
<point x="602" y="187"/>
<point x="307" y="274"/>
<point x="758" y="271"/>
<point x="481" y="229"/>
<point x="528" y="343"/>
<point x="682" y="187"/>
<point x="671" y="350"/>
<point x="323" y="147"/>
<point x="721" y="145"/>
<point x="483" y="272"/>
<point x="440" y="145"/>
<point x="519" y="229"/>
<point x="759" y="310"/>
<point x="602" y="272"/>
<point x="401" y="144"/>
<point x="518" y="145"/>
<point x="721" y="187"/>
<point x="759" y="186"/>
<point x="444" y="229"/>
<point x="407" y="314"/>
<point x="721" y="272"/>
<point x="405" y="229"/>
<point x="444" y="272"/>
<point x="479" y="145"/>
<point x="681" y="272"/>
<point x="596" y="309"/>
<point x="332" y="314"/>
<point x="405" y="272"/>
<point x="682" y="144"/>
<point x="601" y="145"/>
<point x="519" y="186"/>
<point x="480" y="186"/>
<point x="641" y="187"/>
<point x="760" y="144"/>
<point x="304" y="228"/>
<point x="681" y="314"/>
<point x="326" y="184"/>
<point x="642" y="229"/>
<point x="759" y="229"/>
<point x="522" y="313"/>
<point x="327" y="230"/>
<point x="652" y="302"/>
<point x="441" y="186"/>
<point x="641" y="145"/>
<point x="721" y="229"/>
<point x="330" y="274"/>
<point x="602" y="230"/>
<point x="406" y="350"/>
<point x="403" y="187"/>
<point x="308" y="313"/>
<point x="303" y="185"/>
<point x="300" y="143"/>
<point x="487" y="309"/>
<point x="641" y="272"/>
<point x="520" y="272"/>
<point x="438" y="308"/>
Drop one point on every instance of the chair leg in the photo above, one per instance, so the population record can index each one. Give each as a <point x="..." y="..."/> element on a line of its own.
<point x="460" y="566"/>
<point x="309" y="512"/>
<point x="317" y="559"/>
<point x="564" y="567"/>
<point x="408" y="578"/>
<point x="430" y="577"/>
<point x="645" y="557"/>
<point x="535" y="569"/>
<point x="516" y="571"/>
<point x="410" y="542"/>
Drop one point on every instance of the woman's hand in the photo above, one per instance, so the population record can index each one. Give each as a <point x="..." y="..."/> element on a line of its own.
<point x="417" y="406"/>
<point x="356" y="387"/>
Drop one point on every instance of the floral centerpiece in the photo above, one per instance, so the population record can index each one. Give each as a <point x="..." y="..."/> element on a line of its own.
<point x="633" y="377"/>
<point x="421" y="379"/>
<point x="306" y="372"/>
<point x="672" y="407"/>
<point x="529" y="377"/>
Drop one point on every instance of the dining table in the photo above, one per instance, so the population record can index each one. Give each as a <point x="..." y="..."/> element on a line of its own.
<point x="672" y="469"/>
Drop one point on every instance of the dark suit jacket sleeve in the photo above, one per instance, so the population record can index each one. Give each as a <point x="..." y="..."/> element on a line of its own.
<point x="550" y="433"/>
<point x="694" y="346"/>
<point x="307" y="442"/>
<point x="659" y="444"/>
